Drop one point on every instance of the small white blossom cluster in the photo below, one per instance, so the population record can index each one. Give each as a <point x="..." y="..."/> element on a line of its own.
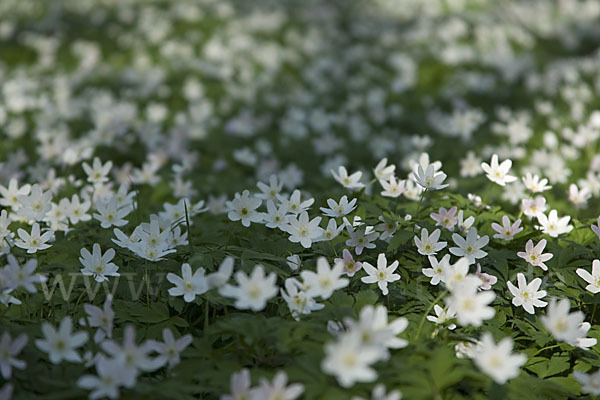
<point x="363" y="343"/>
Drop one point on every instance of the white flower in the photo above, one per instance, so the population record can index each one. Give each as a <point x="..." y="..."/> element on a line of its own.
<point x="466" y="348"/>
<point x="275" y="217"/>
<point x="582" y="341"/>
<point x="243" y="207"/>
<point x="350" y="266"/>
<point x="533" y="207"/>
<point x="534" y="184"/>
<point x="189" y="286"/>
<point x="101" y="318"/>
<point x="592" y="279"/>
<point x="382" y="274"/>
<point x="423" y="162"/>
<point x="487" y="280"/>
<point x="386" y="228"/>
<point x="383" y="172"/>
<point x="527" y="295"/>
<point x="534" y="255"/>
<point x="177" y="213"/>
<point x="124" y="198"/>
<point x="36" y="204"/>
<point x="298" y="301"/>
<point x="10" y="195"/>
<point x="578" y="197"/>
<point x="498" y="173"/>
<point x="469" y="247"/>
<point x="97" y="173"/>
<point x="332" y="231"/>
<point x="429" y="245"/>
<point x="5" y="232"/>
<point x="429" y="179"/>
<point x="97" y="264"/>
<point x="60" y="344"/>
<point x="6" y="288"/>
<point x="34" y="241"/>
<point x="470" y="166"/>
<point x="437" y="270"/>
<point x="413" y="191"/>
<point x="458" y="274"/>
<point x="22" y="276"/>
<point x="325" y="280"/>
<point x="222" y="275"/>
<point x="564" y="326"/>
<point x="294" y="262"/>
<point x="170" y="349"/>
<point x="294" y="203"/>
<point x="471" y="306"/>
<point x="302" y="230"/>
<point x="9" y="350"/>
<point x="278" y="389"/>
<point x="252" y="291"/>
<point x="240" y="386"/>
<point x="375" y="331"/>
<point x="360" y="239"/>
<point x="270" y="192"/>
<point x="77" y="210"/>
<point x="134" y="357"/>
<point x="445" y="218"/>
<point x="350" y="360"/>
<point x="590" y="383"/>
<point x="109" y="214"/>
<point x="111" y="375"/>
<point x="497" y="360"/>
<point x="58" y="216"/>
<point x="348" y="181"/>
<point x="506" y="231"/>
<point x="554" y="226"/>
<point x="442" y="316"/>
<point x="464" y="225"/>
<point x="392" y="187"/>
<point x="476" y="200"/>
<point x="340" y="209"/>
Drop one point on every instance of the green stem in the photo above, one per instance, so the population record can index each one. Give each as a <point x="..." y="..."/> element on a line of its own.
<point x="207" y="308"/>
<point x="484" y="200"/>
<point x="333" y="248"/>
<point x="77" y="303"/>
<point x="187" y="222"/>
<point x="147" y="287"/>
<point x="544" y="349"/>
<point x="434" y="302"/>
<point x="418" y="209"/>
<point x="420" y="202"/>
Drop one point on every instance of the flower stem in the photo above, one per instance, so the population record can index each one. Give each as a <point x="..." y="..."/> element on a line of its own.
<point x="544" y="349"/>
<point x="434" y="302"/>
<point x="418" y="209"/>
